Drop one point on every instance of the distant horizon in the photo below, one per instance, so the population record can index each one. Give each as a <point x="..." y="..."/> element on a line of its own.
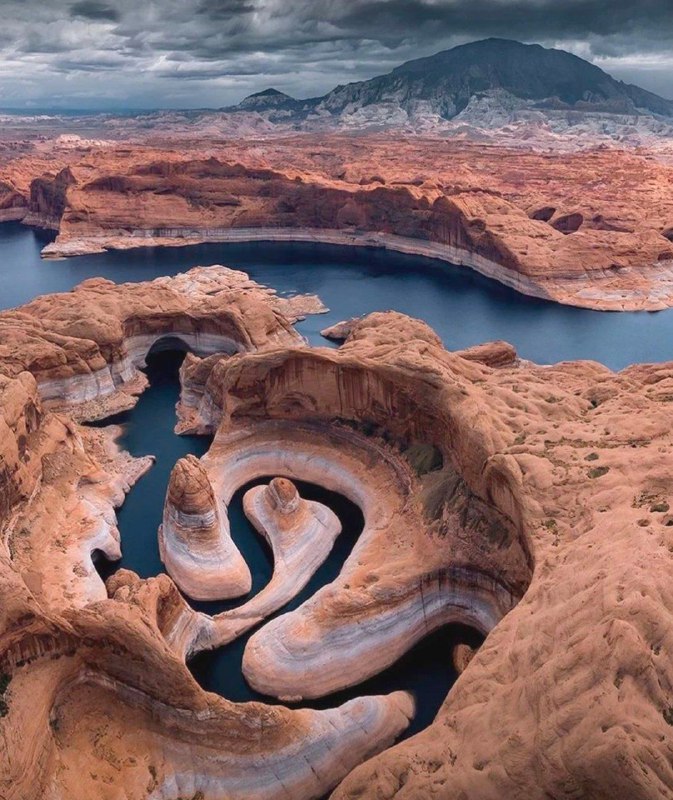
<point x="117" y="55"/>
<point x="33" y="108"/>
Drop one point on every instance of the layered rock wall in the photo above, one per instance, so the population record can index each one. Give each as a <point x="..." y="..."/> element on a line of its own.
<point x="542" y="223"/>
<point x="194" y="541"/>
<point x="554" y="480"/>
<point x="88" y="363"/>
<point x="95" y="696"/>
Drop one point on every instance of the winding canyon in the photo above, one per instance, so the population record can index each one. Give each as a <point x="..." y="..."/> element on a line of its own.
<point x="253" y="547"/>
<point x="530" y="503"/>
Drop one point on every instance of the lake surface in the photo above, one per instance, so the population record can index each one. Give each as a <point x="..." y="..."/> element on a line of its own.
<point x="462" y="307"/>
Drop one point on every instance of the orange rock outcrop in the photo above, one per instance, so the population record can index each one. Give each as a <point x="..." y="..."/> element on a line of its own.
<point x="590" y="228"/>
<point x="551" y="480"/>
<point x="195" y="545"/>
<point x="533" y="503"/>
<point x="85" y="347"/>
<point x="95" y="695"/>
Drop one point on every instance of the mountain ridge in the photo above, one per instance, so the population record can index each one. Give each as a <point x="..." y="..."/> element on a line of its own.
<point x="446" y="82"/>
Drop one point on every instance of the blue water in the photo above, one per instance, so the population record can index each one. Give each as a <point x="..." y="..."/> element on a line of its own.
<point x="426" y="671"/>
<point x="462" y="307"/>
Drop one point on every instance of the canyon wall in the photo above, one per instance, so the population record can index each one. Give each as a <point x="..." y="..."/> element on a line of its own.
<point x="85" y="347"/>
<point x="589" y="229"/>
<point x="554" y="480"/>
<point x="95" y="695"/>
<point x="532" y="503"/>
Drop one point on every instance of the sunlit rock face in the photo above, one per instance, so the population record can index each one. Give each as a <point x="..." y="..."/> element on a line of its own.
<point x="479" y="228"/>
<point x="579" y="221"/>
<point x="494" y="492"/>
<point x="59" y="486"/>
<point x="88" y="363"/>
<point x="196" y="548"/>
<point x="300" y="533"/>
<point x="377" y="424"/>
<point x="80" y="661"/>
<point x="531" y="503"/>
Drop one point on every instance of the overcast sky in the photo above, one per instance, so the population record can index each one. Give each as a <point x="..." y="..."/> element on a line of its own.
<point x="195" y="53"/>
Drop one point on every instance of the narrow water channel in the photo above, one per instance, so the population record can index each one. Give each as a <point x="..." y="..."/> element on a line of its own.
<point x="426" y="670"/>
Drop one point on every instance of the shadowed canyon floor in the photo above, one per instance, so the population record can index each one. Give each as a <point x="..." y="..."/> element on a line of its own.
<point x="528" y="502"/>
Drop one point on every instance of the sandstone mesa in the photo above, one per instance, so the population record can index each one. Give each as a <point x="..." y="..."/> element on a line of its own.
<point x="590" y="228"/>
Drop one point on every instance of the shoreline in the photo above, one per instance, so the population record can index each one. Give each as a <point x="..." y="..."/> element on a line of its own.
<point x="583" y="293"/>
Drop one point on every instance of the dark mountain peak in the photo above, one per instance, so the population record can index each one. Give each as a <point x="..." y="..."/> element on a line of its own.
<point x="492" y="47"/>
<point x="492" y="50"/>
<point x="270" y="92"/>
<point x="265" y="100"/>
<point x="527" y="70"/>
<point x="543" y="77"/>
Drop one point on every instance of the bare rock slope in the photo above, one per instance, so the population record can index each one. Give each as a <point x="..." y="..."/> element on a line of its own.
<point x="589" y="228"/>
<point x="552" y="482"/>
<point x="85" y="347"/>
<point x="95" y="696"/>
<point x="532" y="503"/>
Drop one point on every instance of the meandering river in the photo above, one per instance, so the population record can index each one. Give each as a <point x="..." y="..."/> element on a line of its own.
<point x="463" y="307"/>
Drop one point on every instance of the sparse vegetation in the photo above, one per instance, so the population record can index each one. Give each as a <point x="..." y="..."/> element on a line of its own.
<point x="424" y="458"/>
<point x="656" y="503"/>
<point x="552" y="527"/>
<point x="4" y="685"/>
<point x="598" y="472"/>
<point x="592" y="457"/>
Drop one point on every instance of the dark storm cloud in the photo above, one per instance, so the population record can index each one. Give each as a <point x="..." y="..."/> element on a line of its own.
<point x="200" y="52"/>
<point x="224" y="9"/>
<point x="544" y="19"/>
<point x="90" y="9"/>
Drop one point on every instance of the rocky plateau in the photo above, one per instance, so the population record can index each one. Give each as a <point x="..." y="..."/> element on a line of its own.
<point x="530" y="503"/>
<point x="592" y="228"/>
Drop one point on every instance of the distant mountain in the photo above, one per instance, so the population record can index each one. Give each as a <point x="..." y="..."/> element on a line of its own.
<point x="268" y="100"/>
<point x="542" y="78"/>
